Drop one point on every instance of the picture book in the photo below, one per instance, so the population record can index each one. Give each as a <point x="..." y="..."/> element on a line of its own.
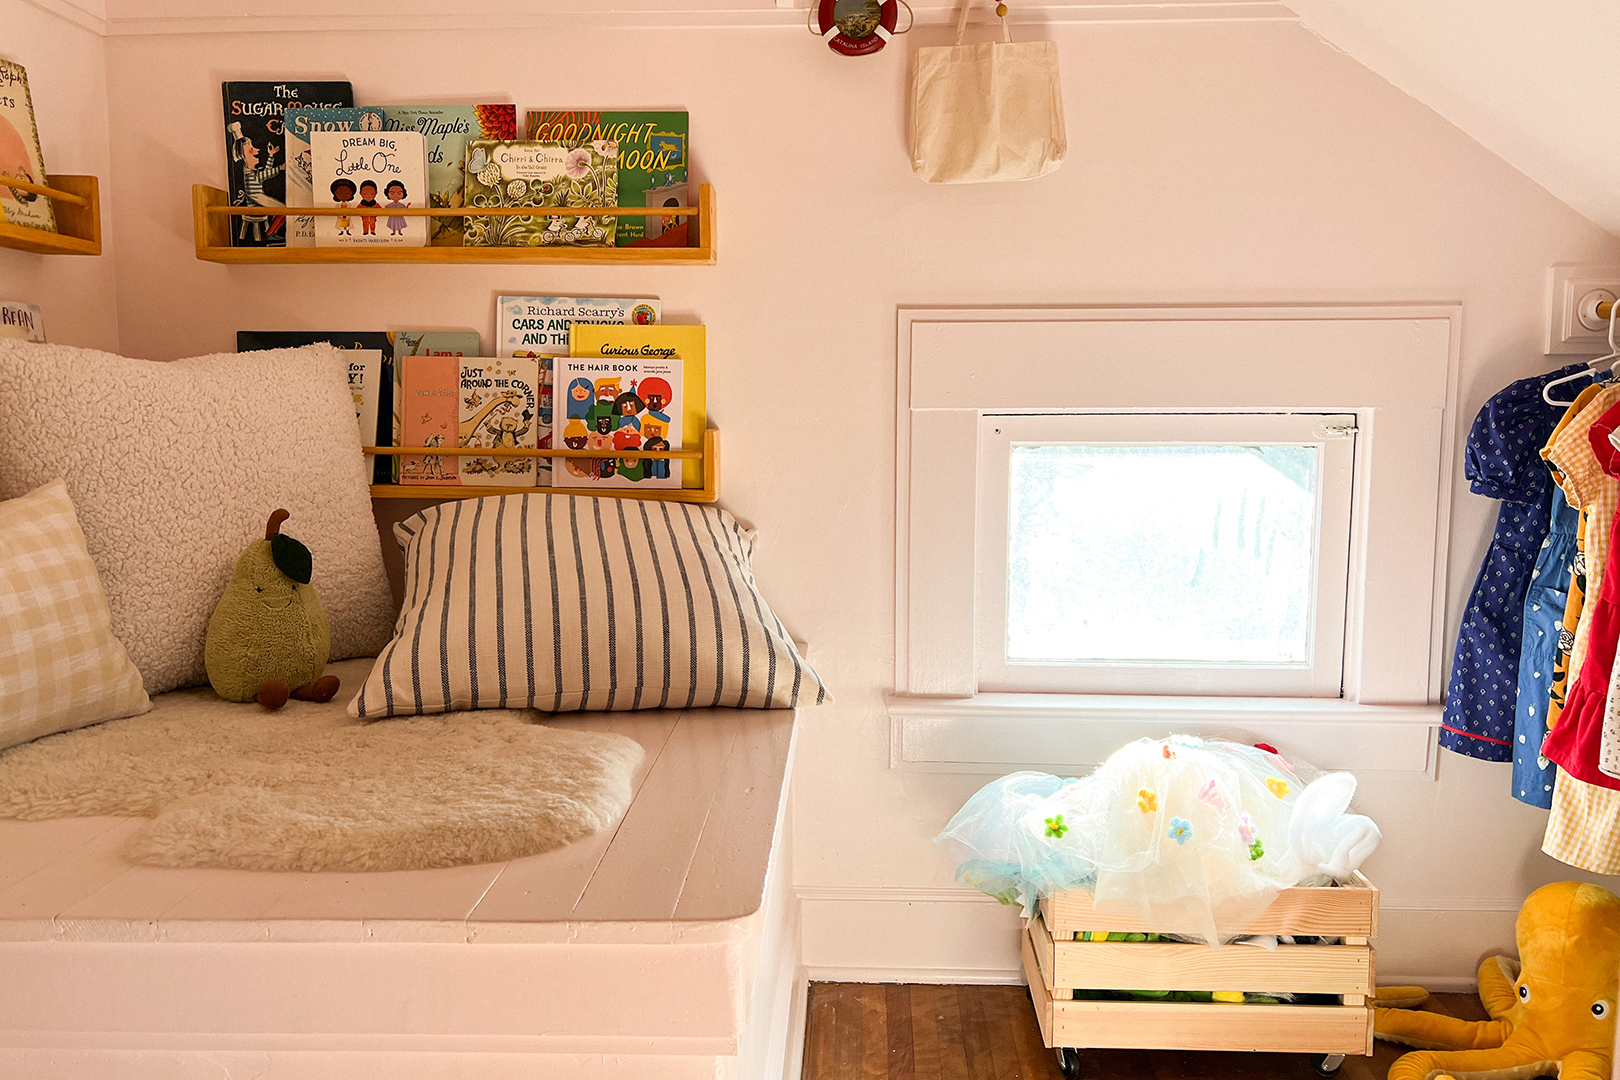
<point x="448" y="129"/>
<point x="437" y="343"/>
<point x="373" y="172"/>
<point x="500" y="407"/>
<point x="19" y="152"/>
<point x="297" y="123"/>
<point x="21" y="321"/>
<point x="685" y="343"/>
<point x="254" y="147"/>
<point x="430" y="387"/>
<point x="375" y="379"/>
<point x="652" y="150"/>
<point x="618" y="405"/>
<point x="538" y="325"/>
<point x="541" y="174"/>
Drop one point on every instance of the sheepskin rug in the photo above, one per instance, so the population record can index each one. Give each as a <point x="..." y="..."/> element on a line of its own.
<point x="310" y="788"/>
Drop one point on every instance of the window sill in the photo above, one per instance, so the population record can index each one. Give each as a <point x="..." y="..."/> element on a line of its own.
<point x="1073" y="733"/>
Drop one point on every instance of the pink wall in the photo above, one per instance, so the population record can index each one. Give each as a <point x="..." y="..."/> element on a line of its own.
<point x="68" y="78"/>
<point x="1209" y="163"/>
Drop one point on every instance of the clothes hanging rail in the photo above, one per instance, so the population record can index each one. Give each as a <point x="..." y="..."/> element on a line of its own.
<point x="1591" y="365"/>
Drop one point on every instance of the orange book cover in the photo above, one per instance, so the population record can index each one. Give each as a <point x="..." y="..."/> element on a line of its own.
<point x="430" y="415"/>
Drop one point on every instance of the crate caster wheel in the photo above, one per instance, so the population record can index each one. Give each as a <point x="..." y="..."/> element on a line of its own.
<point x="1069" y="1062"/>
<point x="1327" y="1064"/>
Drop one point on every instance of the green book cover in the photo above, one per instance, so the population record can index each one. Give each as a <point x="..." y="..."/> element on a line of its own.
<point x="545" y="176"/>
<point x="652" y="152"/>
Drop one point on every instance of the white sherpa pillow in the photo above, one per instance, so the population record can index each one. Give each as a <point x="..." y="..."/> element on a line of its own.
<point x="173" y="468"/>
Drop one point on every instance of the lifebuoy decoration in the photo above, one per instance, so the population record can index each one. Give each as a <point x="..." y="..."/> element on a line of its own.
<point x="860" y="29"/>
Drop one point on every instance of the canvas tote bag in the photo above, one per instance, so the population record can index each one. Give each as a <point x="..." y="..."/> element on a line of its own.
<point x="986" y="112"/>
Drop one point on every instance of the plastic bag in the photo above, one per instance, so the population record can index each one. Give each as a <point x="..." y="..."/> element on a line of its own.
<point x="1189" y="836"/>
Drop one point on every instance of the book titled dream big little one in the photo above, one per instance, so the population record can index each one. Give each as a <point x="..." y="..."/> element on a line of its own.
<point x="372" y="173"/>
<point x="255" y="145"/>
<point x="298" y="123"/>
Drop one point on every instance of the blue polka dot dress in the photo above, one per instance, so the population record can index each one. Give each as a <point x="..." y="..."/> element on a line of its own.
<point x="1503" y="462"/>
<point x="1544" y="603"/>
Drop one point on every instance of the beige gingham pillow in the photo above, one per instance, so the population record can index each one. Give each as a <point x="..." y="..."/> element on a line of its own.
<point x="60" y="666"/>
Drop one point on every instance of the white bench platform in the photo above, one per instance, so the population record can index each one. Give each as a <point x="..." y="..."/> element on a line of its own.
<point x="657" y="948"/>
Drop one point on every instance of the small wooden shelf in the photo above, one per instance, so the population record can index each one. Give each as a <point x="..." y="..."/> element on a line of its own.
<point x="77" y="202"/>
<point x="708" y="493"/>
<point x="211" y="222"/>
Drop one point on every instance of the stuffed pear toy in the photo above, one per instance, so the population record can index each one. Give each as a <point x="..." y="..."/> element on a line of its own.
<point x="1551" y="1011"/>
<point x="268" y="639"/>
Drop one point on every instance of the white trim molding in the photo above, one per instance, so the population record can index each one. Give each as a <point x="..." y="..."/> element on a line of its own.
<point x="1074" y="733"/>
<point x="123" y="18"/>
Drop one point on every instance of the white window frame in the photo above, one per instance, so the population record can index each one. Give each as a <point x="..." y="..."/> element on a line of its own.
<point x="1322" y="675"/>
<point x="1393" y="366"/>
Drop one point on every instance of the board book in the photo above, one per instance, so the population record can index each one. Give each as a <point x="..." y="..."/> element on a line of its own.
<point x="617" y="405"/>
<point x="19" y="152"/>
<point x="447" y="130"/>
<point x="372" y="172"/>
<point x="255" y="143"/>
<point x="297" y="123"/>
<point x="542" y="175"/>
<point x="646" y="343"/>
<point x="652" y="152"/>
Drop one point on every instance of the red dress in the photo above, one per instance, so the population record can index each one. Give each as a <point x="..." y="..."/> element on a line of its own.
<point x="1575" y="739"/>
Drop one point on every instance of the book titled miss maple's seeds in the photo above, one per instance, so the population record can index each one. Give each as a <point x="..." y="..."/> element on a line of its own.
<point x="254" y="145"/>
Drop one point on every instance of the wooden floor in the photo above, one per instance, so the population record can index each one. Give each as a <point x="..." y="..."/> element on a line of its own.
<point x="872" y="1031"/>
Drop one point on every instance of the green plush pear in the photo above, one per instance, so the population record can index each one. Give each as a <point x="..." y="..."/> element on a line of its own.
<point x="268" y="639"/>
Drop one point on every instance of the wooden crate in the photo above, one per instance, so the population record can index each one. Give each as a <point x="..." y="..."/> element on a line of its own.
<point x="1057" y="965"/>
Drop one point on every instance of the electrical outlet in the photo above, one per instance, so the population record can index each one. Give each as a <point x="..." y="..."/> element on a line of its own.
<point x="1573" y="294"/>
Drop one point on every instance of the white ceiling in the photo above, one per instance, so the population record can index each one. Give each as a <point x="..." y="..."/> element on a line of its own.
<point x="1535" y="81"/>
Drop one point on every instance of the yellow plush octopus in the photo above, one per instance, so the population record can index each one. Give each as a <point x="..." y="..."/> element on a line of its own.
<point x="1552" y="1011"/>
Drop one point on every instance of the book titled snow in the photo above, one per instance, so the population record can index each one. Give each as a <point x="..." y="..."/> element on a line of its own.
<point x="371" y="173"/>
<point x="254" y="147"/>
<point x="544" y="175"/>
<point x="297" y="123"/>
<point x="617" y="406"/>
<point x="19" y="153"/>
<point x="448" y="129"/>
<point x="21" y="321"/>
<point x="500" y="407"/>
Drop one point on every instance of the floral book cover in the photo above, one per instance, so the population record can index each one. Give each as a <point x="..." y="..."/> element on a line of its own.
<point x="255" y="145"/>
<point x="448" y="129"/>
<point x="297" y="123"/>
<point x="500" y="409"/>
<point x="652" y="149"/>
<point x="19" y="152"/>
<point x="618" y="405"/>
<point x="542" y="175"/>
<point x="372" y="173"/>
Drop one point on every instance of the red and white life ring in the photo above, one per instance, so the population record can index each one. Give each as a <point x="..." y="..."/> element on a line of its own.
<point x="845" y="37"/>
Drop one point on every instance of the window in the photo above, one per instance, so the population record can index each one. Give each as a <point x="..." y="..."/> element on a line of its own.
<point x="1163" y="553"/>
<point x="1276" y="480"/>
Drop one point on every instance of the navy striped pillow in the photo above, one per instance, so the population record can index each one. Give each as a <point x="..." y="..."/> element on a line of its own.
<point x="562" y="602"/>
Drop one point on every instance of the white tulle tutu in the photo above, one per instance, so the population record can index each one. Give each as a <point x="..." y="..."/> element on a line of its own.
<point x="1191" y="836"/>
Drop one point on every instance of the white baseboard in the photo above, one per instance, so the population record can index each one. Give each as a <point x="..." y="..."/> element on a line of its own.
<point x="953" y="935"/>
<point x="793" y="1065"/>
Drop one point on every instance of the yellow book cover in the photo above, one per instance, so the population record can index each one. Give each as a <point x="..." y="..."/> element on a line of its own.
<point x="663" y="342"/>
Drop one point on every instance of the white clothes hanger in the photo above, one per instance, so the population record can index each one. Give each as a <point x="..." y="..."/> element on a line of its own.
<point x="1591" y="365"/>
